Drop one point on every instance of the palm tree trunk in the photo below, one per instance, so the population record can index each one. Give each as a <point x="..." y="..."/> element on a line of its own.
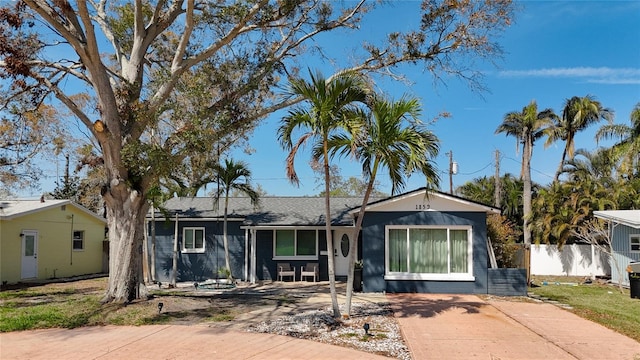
<point x="561" y="166"/>
<point x="225" y="239"/>
<point x="353" y="246"/>
<point x="330" y="254"/>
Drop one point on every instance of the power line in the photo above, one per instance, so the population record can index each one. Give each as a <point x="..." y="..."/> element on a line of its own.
<point x="477" y="171"/>
<point x="537" y="171"/>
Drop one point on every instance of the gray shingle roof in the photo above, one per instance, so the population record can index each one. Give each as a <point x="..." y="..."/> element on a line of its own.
<point x="277" y="211"/>
<point x="11" y="209"/>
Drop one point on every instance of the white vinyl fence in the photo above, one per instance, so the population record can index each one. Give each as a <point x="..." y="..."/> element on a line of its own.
<point x="572" y="260"/>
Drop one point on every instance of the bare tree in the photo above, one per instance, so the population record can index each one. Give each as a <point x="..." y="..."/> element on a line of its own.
<point x="137" y="59"/>
<point x="597" y="232"/>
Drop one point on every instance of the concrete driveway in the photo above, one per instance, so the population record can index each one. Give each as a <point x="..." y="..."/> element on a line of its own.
<point x="434" y="327"/>
<point x="467" y="327"/>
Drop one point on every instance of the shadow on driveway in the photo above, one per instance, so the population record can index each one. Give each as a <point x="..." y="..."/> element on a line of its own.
<point x="407" y="305"/>
<point x="440" y="326"/>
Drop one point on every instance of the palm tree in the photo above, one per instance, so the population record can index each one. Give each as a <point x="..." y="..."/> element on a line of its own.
<point x="577" y="115"/>
<point x="479" y="189"/>
<point x="328" y="107"/>
<point x="526" y="126"/>
<point x="391" y="137"/>
<point x="598" y="165"/>
<point x="229" y="175"/>
<point x="628" y="147"/>
<point x="482" y="190"/>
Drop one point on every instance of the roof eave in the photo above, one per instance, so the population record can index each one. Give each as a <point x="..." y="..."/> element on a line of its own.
<point x="608" y="215"/>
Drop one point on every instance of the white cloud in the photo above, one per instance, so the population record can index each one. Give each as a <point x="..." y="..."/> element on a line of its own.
<point x="602" y="75"/>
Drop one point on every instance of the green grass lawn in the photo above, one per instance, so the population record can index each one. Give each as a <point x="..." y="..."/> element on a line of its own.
<point x="71" y="305"/>
<point x="77" y="303"/>
<point x="603" y="304"/>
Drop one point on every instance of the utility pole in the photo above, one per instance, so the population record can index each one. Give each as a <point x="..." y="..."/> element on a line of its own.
<point x="497" y="185"/>
<point x="453" y="169"/>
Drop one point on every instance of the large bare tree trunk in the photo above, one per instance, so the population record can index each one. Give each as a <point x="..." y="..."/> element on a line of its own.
<point x="125" y="218"/>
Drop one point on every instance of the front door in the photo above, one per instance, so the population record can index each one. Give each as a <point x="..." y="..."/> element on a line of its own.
<point x="341" y="244"/>
<point x="29" y="255"/>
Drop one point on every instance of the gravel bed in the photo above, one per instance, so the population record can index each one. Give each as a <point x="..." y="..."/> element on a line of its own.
<point x="384" y="336"/>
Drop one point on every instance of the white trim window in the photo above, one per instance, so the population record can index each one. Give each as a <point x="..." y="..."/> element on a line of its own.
<point x="634" y="243"/>
<point x="193" y="240"/>
<point x="78" y="240"/>
<point x="295" y="244"/>
<point x="428" y="253"/>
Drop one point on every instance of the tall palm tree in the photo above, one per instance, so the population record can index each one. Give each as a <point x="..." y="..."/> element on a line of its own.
<point x="229" y="177"/>
<point x="577" y="115"/>
<point x="628" y="147"/>
<point x="328" y="107"/>
<point x="527" y="126"/>
<point x="391" y="137"/>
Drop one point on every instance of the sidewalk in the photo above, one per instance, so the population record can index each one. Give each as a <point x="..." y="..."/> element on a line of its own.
<point x="164" y="342"/>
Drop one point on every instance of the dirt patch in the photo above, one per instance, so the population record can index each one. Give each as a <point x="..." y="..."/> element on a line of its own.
<point x="276" y="308"/>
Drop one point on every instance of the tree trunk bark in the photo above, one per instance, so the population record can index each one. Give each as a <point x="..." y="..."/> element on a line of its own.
<point x="225" y="238"/>
<point x="353" y="246"/>
<point x="330" y="250"/>
<point x="125" y="219"/>
<point x="561" y="166"/>
<point x="153" y="244"/>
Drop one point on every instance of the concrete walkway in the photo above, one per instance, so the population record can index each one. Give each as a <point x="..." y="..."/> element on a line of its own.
<point x="164" y="342"/>
<point x="466" y="327"/>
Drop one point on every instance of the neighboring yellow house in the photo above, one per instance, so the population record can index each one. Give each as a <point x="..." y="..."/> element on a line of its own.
<point x="48" y="239"/>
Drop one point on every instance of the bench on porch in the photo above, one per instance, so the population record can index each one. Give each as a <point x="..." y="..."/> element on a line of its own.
<point x="285" y="269"/>
<point x="311" y="269"/>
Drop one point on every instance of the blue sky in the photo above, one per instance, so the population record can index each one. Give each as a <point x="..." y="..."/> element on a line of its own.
<point x="554" y="50"/>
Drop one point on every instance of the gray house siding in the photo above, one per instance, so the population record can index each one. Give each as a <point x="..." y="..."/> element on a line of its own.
<point x="622" y="253"/>
<point x="373" y="252"/>
<point x="198" y="266"/>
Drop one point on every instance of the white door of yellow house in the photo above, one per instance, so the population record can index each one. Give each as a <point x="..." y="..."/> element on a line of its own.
<point x="29" y="255"/>
<point x="341" y="243"/>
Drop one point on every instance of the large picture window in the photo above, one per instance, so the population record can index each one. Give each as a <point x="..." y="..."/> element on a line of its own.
<point x="298" y="244"/>
<point x="193" y="240"/>
<point x="424" y="253"/>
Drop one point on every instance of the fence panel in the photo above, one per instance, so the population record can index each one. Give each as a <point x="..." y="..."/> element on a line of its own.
<point x="572" y="260"/>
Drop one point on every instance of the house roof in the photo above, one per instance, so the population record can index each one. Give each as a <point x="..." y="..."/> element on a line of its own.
<point x="435" y="201"/>
<point x="309" y="211"/>
<point x="272" y="211"/>
<point x="11" y="209"/>
<point x="629" y="218"/>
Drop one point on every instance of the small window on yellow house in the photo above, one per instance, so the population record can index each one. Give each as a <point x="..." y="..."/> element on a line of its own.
<point x="78" y="240"/>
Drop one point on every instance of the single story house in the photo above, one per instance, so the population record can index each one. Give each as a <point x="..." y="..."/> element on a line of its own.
<point x="418" y="241"/>
<point x="45" y="239"/>
<point x="624" y="229"/>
